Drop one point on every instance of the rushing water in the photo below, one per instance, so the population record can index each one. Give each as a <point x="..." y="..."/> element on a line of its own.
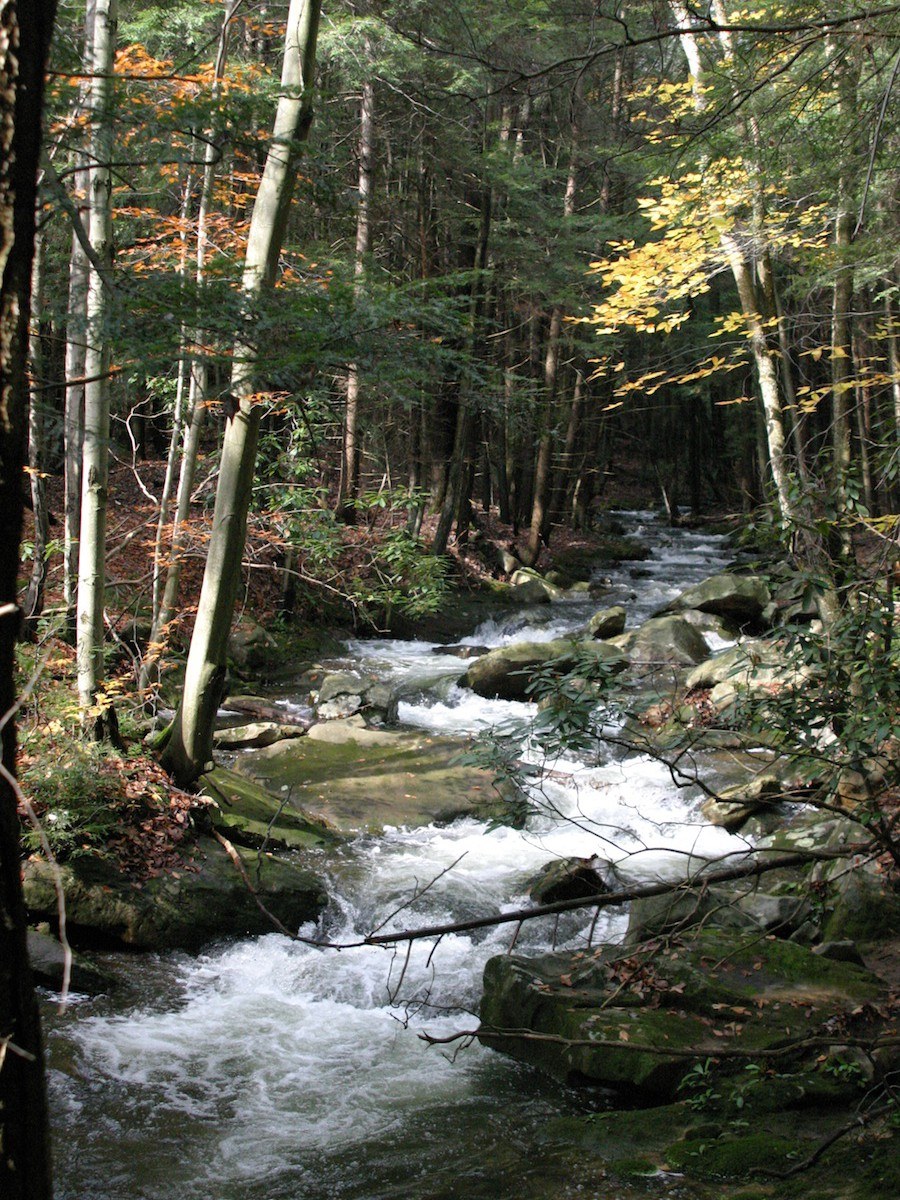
<point x="270" y="1069"/>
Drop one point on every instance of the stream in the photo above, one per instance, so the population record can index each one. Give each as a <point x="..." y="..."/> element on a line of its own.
<point x="274" y="1070"/>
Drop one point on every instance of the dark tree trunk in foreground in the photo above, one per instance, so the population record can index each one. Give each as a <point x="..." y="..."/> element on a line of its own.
<point x="24" y="37"/>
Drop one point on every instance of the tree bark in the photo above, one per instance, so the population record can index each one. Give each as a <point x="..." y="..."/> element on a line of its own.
<point x="190" y="744"/>
<point x="76" y="346"/>
<point x="24" y="1138"/>
<point x="350" y="457"/>
<point x="98" y="717"/>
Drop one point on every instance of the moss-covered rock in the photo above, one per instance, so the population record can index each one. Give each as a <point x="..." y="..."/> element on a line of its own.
<point x="742" y="598"/>
<point x="247" y="813"/>
<point x="506" y="673"/>
<point x="663" y="641"/>
<point x="365" y="779"/>
<point x="639" y="1022"/>
<point x="184" y="909"/>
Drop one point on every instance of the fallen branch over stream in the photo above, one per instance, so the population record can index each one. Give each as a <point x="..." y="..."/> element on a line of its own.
<point x="702" y="879"/>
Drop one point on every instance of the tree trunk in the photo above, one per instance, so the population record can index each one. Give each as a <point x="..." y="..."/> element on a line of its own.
<point x="164" y="610"/>
<point x="190" y="744"/>
<point x="351" y="449"/>
<point x="76" y="347"/>
<point x="24" y="1138"/>
<point x="34" y="598"/>
<point x="97" y="717"/>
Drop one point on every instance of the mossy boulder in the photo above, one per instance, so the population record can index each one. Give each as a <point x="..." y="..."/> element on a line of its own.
<point x="506" y="673"/>
<point x="741" y="598"/>
<point x="204" y="899"/>
<point x="663" y="642"/>
<point x="358" y="779"/>
<point x="637" y="1024"/>
<point x="607" y="623"/>
<point x="246" y="812"/>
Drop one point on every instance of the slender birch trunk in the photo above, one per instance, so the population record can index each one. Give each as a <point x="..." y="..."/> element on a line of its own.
<point x="351" y="449"/>
<point x="76" y="346"/>
<point x="98" y="718"/>
<point x="189" y="748"/>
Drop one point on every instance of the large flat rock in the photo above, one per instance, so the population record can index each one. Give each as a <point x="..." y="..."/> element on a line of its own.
<point x="361" y="780"/>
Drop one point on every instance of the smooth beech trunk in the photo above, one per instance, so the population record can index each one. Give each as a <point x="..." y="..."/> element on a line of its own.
<point x="189" y="748"/>
<point x="97" y="715"/>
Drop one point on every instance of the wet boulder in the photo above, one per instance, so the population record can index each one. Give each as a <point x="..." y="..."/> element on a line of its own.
<point x="637" y="1024"/>
<point x="663" y="642"/>
<point x="607" y="623"/>
<point x="506" y="673"/>
<point x="256" y="733"/>
<point x="571" y="879"/>
<point x="740" y="598"/>
<point x="206" y="898"/>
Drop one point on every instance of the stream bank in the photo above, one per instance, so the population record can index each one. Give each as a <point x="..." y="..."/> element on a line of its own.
<point x="267" y="1068"/>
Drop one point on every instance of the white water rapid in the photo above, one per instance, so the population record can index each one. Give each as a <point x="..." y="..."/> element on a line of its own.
<point x="268" y="1069"/>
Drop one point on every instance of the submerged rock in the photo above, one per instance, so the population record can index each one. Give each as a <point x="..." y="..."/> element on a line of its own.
<point x="205" y="899"/>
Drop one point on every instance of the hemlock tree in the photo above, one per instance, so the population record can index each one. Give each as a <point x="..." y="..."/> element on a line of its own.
<point x="24" y="39"/>
<point x="190" y="743"/>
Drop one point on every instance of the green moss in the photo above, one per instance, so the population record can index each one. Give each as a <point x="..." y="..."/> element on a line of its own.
<point x="732" y="1158"/>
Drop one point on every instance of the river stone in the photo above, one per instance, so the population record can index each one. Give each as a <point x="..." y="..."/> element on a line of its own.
<point x="719" y="989"/>
<point x="529" y="591"/>
<point x="177" y="910"/>
<point x="663" y="641"/>
<point x="571" y="879"/>
<point x="47" y="959"/>
<point x="250" y="646"/>
<point x="607" y="623"/>
<point x="368" y="779"/>
<point x="245" y="812"/>
<point x="257" y="733"/>
<point x="461" y="651"/>
<point x="742" y="598"/>
<point x="505" y="673"/>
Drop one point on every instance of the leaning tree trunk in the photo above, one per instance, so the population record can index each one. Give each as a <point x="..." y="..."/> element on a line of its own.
<point x="164" y="605"/>
<point x="189" y="748"/>
<point x="24" y="1139"/>
<point x="98" y="717"/>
